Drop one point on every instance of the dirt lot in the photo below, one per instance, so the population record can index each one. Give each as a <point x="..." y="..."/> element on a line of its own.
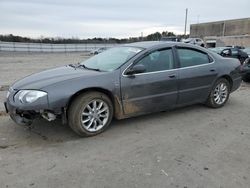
<point x="192" y="147"/>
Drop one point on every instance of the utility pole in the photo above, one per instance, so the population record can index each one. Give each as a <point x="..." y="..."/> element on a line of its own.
<point x="198" y="19"/>
<point x="185" y="30"/>
<point x="224" y="28"/>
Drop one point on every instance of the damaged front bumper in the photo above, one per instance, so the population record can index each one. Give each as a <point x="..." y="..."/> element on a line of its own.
<point x="24" y="114"/>
<point x="20" y="117"/>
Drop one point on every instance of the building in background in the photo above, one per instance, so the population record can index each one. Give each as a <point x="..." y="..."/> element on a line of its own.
<point x="223" y="33"/>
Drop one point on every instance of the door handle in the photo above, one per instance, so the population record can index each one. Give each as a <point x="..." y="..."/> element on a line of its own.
<point x="212" y="70"/>
<point x="172" y="76"/>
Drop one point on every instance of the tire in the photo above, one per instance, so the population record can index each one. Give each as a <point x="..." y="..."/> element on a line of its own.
<point x="81" y="113"/>
<point x="213" y="100"/>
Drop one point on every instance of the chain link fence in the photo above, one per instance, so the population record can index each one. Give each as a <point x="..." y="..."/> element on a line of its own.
<point x="46" y="47"/>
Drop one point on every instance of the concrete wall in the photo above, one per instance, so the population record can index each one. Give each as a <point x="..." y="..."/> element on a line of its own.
<point x="235" y="41"/>
<point x="243" y="40"/>
<point x="221" y="28"/>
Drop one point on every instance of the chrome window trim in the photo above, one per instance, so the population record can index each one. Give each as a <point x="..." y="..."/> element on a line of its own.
<point x="154" y="72"/>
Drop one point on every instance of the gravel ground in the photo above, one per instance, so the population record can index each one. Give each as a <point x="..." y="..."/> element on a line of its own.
<point x="192" y="147"/>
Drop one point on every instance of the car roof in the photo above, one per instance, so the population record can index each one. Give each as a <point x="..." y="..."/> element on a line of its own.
<point x="148" y="45"/>
<point x="163" y="44"/>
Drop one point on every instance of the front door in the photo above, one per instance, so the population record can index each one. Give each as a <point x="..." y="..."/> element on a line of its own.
<point x="153" y="90"/>
<point x="197" y="73"/>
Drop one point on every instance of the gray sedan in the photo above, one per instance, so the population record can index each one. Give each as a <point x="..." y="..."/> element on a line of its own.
<point x="122" y="82"/>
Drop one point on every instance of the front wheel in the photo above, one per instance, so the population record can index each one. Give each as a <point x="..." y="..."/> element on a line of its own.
<point x="219" y="94"/>
<point x="90" y="113"/>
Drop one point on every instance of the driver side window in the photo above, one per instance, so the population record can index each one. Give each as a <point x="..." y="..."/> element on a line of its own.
<point x="158" y="60"/>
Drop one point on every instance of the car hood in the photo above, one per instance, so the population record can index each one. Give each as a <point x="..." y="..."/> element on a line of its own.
<point x="52" y="76"/>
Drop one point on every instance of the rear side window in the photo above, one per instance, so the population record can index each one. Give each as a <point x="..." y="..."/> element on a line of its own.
<point x="191" y="57"/>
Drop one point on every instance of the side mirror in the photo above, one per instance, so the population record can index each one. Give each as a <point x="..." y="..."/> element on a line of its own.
<point x="136" y="69"/>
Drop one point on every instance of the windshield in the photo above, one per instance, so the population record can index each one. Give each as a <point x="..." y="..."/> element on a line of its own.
<point x="111" y="59"/>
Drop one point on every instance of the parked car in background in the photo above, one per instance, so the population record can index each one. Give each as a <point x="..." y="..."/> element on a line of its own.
<point x="171" y="39"/>
<point x="233" y="46"/>
<point x="234" y="53"/>
<point x="97" y="51"/>
<point x="122" y="82"/>
<point x="195" y="41"/>
<point x="246" y="70"/>
<point x="247" y="50"/>
<point x="217" y="50"/>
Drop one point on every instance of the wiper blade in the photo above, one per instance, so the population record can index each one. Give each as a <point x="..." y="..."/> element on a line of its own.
<point x="84" y="66"/>
<point x="72" y="65"/>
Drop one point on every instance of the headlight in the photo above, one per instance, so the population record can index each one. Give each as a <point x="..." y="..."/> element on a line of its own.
<point x="29" y="96"/>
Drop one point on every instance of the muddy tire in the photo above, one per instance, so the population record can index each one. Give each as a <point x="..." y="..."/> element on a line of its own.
<point x="219" y="94"/>
<point x="90" y="113"/>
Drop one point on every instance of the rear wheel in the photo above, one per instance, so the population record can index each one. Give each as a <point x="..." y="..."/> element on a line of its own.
<point x="90" y="113"/>
<point x="219" y="94"/>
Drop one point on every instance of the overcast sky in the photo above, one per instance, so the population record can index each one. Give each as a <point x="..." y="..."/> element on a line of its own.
<point x="111" y="18"/>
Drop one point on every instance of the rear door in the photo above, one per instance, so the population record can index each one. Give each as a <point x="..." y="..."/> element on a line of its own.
<point x="153" y="90"/>
<point x="197" y="73"/>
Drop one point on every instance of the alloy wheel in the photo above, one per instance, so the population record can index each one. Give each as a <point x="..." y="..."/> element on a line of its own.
<point x="220" y="93"/>
<point x="95" y="115"/>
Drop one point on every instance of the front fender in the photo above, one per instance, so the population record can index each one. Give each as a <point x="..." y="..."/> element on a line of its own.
<point x="60" y="93"/>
